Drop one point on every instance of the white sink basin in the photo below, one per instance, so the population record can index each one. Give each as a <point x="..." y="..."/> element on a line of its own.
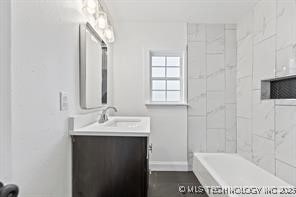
<point x="125" y="123"/>
<point x="117" y="126"/>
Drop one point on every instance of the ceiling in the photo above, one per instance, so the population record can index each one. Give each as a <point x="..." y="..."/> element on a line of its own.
<point x="198" y="11"/>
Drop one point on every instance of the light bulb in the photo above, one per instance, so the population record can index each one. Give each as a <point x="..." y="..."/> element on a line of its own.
<point x="109" y="34"/>
<point x="90" y="6"/>
<point x="102" y="20"/>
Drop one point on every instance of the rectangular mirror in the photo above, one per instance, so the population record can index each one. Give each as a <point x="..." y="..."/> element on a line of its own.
<point x="93" y="68"/>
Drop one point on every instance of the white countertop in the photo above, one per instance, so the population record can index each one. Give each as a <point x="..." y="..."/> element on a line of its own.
<point x="116" y="126"/>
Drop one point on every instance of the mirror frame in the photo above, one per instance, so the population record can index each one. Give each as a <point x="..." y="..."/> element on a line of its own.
<point x="82" y="62"/>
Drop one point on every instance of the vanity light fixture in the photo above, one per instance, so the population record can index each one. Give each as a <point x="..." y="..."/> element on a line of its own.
<point x="96" y="16"/>
<point x="109" y="34"/>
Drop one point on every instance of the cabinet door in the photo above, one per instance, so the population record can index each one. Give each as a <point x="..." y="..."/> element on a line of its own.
<point x="110" y="167"/>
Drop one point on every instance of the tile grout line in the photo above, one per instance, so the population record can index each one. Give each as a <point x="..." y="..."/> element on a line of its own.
<point x="206" y="82"/>
<point x="286" y="163"/>
<point x="236" y="88"/>
<point x="259" y="136"/>
<point x="252" y="80"/>
<point x="274" y="104"/>
<point x="263" y="40"/>
<point x="225" y="84"/>
<point x="187" y="92"/>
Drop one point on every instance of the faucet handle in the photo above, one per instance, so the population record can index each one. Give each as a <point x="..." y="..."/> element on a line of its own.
<point x="104" y="116"/>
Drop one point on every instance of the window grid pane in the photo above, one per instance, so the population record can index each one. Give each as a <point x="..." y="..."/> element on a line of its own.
<point x="158" y="84"/>
<point x="172" y="72"/>
<point x="158" y="61"/>
<point x="166" y="79"/>
<point x="158" y="72"/>
<point x="173" y="85"/>
<point x="158" y="95"/>
<point x="173" y="61"/>
<point x="173" y="96"/>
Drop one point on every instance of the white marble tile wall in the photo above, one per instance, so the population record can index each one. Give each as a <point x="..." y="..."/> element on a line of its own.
<point x="244" y="137"/>
<point x="244" y="97"/>
<point x="197" y="136"/>
<point x="286" y="172"/>
<point x="286" y="36"/>
<point x="263" y="61"/>
<point x="266" y="129"/>
<point x="264" y="20"/>
<point x="263" y="153"/>
<point x="212" y="88"/>
<point x="262" y="116"/>
<point x="285" y="135"/>
<point x="230" y="127"/>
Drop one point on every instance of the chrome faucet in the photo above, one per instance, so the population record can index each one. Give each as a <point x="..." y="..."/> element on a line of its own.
<point x="104" y="116"/>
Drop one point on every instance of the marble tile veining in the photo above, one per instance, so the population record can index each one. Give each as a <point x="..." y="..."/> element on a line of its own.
<point x="231" y="121"/>
<point x="245" y="58"/>
<point x="283" y="61"/>
<point x="285" y="136"/>
<point x="197" y="134"/>
<point x="245" y="27"/>
<point x="215" y="72"/>
<point x="264" y="61"/>
<point x="196" y="60"/>
<point x="216" y="140"/>
<point x="244" y="138"/>
<point x="265" y="20"/>
<point x="231" y="146"/>
<point x="244" y="97"/>
<point x="197" y="98"/>
<point x="230" y="48"/>
<point x="211" y="88"/>
<point x="230" y="66"/>
<point x="263" y="153"/>
<point x="286" y="172"/>
<point x="286" y="26"/>
<point x="263" y="116"/>
<point x="230" y="85"/>
<point x="215" y="110"/>
<point x="267" y="137"/>
<point x="215" y="38"/>
<point x="196" y="32"/>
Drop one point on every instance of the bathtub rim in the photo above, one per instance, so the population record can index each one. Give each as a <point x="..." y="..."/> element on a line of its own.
<point x="215" y="175"/>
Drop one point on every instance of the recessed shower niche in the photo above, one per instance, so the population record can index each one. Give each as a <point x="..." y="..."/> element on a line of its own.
<point x="279" y="88"/>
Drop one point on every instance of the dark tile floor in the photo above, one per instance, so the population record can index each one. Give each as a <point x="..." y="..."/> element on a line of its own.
<point x="166" y="184"/>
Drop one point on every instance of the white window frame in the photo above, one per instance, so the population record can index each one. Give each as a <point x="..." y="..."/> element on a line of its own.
<point x="182" y="78"/>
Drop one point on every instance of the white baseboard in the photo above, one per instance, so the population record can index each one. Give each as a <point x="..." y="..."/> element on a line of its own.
<point x="168" y="166"/>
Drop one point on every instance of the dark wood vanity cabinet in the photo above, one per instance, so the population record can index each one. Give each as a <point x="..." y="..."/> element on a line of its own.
<point x="110" y="166"/>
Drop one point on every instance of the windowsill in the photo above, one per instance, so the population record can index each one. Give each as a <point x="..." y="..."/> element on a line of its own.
<point x="166" y="104"/>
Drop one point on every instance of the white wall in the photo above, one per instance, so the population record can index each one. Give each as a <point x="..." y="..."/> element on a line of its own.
<point x="266" y="128"/>
<point x="5" y="98"/>
<point x="211" y="88"/>
<point x="168" y="123"/>
<point x="45" y="61"/>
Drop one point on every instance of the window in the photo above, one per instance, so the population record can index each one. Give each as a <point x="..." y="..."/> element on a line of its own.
<point x="166" y="77"/>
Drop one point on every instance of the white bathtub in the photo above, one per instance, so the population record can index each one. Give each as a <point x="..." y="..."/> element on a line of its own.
<point x="231" y="171"/>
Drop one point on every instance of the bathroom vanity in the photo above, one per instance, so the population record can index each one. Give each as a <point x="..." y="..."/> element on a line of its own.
<point x="111" y="159"/>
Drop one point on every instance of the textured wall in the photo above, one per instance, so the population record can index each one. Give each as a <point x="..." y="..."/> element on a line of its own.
<point x="5" y="98"/>
<point x="266" y="129"/>
<point x="211" y="88"/>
